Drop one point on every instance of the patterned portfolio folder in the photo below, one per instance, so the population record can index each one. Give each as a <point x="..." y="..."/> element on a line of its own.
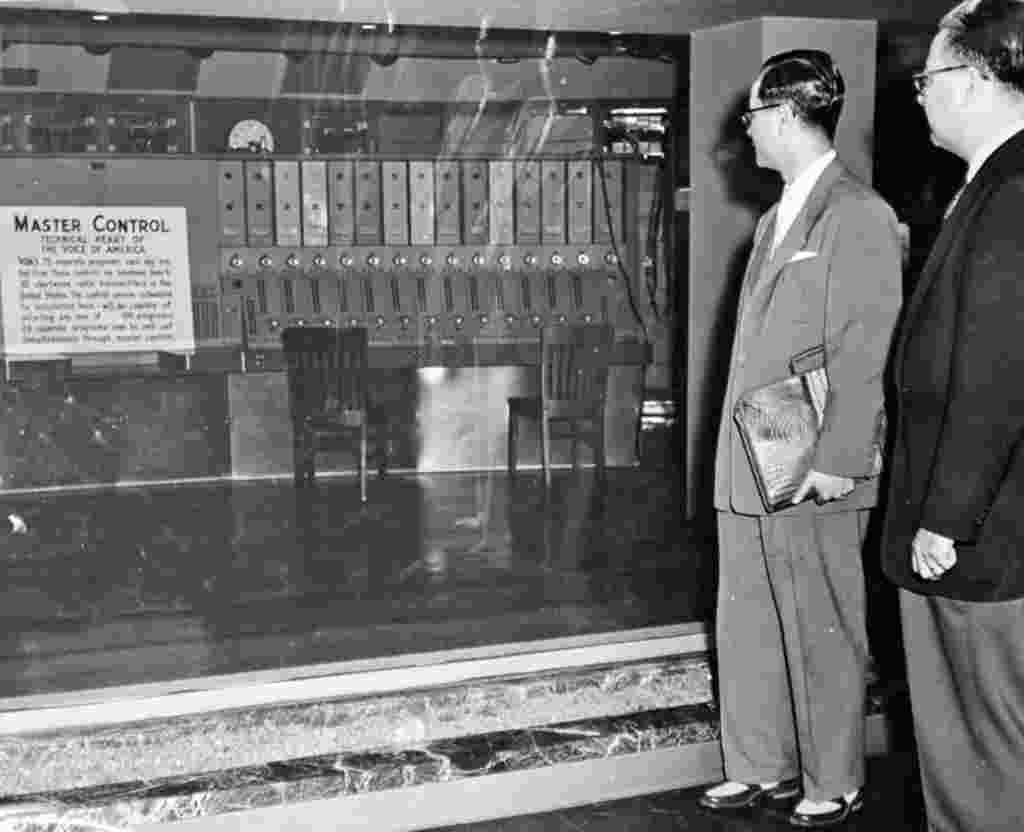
<point x="779" y="425"/>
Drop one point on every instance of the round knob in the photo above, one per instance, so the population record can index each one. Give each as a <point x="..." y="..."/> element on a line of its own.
<point x="345" y="260"/>
<point x="274" y="323"/>
<point x="583" y="258"/>
<point x="484" y="319"/>
<point x="535" y="320"/>
<point x="328" y="321"/>
<point x="646" y="261"/>
<point x="379" y="320"/>
<point x="292" y="260"/>
<point x="301" y="322"/>
<point x="431" y="321"/>
<point x="404" y="321"/>
<point x="611" y="259"/>
<point x="319" y="261"/>
<point x="530" y="260"/>
<point x="353" y="322"/>
<point x="452" y="260"/>
<point x="265" y="261"/>
<point x="588" y="318"/>
<point x="400" y="260"/>
<point x="426" y="260"/>
<point x="557" y="259"/>
<point x="510" y="319"/>
<point x="504" y="261"/>
<point x="459" y="321"/>
<point x="478" y="259"/>
<point x="236" y="261"/>
<point x="373" y="261"/>
<point x="560" y="319"/>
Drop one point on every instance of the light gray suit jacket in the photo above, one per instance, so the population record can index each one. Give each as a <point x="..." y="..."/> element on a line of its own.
<point x="849" y="234"/>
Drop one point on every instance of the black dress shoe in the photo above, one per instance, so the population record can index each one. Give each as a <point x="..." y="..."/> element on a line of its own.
<point x="821" y="820"/>
<point x="752" y="795"/>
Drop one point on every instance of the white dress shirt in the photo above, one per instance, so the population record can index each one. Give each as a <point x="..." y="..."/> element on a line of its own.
<point x="795" y="194"/>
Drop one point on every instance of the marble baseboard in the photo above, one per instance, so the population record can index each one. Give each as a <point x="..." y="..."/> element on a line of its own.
<point x="138" y="803"/>
<point x="260" y="736"/>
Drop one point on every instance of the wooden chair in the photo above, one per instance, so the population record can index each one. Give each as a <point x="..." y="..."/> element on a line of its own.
<point x="573" y="387"/>
<point x="327" y="389"/>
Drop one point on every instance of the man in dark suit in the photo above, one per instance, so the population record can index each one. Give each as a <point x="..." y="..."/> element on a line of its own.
<point x="790" y="633"/>
<point x="954" y="529"/>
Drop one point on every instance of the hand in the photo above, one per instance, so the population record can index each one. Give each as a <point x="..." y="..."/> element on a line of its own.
<point x="825" y="486"/>
<point x="932" y="555"/>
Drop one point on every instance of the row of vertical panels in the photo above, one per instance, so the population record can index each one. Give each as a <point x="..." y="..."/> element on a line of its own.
<point x="405" y="202"/>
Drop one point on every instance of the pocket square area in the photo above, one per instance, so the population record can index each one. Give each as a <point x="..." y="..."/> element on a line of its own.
<point x="802" y="255"/>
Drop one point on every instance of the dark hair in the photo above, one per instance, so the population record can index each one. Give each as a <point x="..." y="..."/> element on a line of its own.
<point x="989" y="34"/>
<point x="810" y="81"/>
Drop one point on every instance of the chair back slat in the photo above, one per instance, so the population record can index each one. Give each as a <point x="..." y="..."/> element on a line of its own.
<point x="326" y="368"/>
<point x="574" y="361"/>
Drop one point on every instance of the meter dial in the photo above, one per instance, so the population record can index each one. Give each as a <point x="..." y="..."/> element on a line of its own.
<point x="252" y="135"/>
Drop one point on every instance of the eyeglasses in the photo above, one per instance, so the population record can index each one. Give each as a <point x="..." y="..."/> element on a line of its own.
<point x="922" y="80"/>
<point x="748" y="115"/>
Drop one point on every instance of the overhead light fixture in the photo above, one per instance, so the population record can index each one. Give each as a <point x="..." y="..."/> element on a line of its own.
<point x="507" y="59"/>
<point x="100" y="17"/>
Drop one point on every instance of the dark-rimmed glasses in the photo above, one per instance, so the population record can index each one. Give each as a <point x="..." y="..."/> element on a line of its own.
<point x="748" y="115"/>
<point x="922" y="80"/>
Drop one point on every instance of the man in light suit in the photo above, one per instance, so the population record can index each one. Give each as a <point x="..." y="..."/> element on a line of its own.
<point x="954" y="524"/>
<point x="790" y="631"/>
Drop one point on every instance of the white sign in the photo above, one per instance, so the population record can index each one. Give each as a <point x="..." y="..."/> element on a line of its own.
<point x="94" y="279"/>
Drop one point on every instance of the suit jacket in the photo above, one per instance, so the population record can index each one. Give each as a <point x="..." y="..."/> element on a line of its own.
<point x="957" y="464"/>
<point x="848" y="234"/>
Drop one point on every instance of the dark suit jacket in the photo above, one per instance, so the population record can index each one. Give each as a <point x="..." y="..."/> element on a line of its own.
<point x="845" y="235"/>
<point x="957" y="465"/>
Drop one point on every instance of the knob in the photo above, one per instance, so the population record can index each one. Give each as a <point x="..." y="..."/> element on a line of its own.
<point x="478" y="259"/>
<point x="484" y="319"/>
<point x="530" y="260"/>
<point x="373" y="261"/>
<point x="301" y="322"/>
<point x="611" y="259"/>
<point x="426" y="260"/>
<point x="265" y="261"/>
<point x="588" y="318"/>
<point x="404" y="321"/>
<point x="353" y="322"/>
<point x="510" y="319"/>
<point x="400" y="260"/>
<point x="535" y="320"/>
<point x="292" y="260"/>
<point x="452" y="260"/>
<point x="504" y="261"/>
<point x="319" y="261"/>
<point x="431" y="321"/>
<point x="274" y="323"/>
<point x="345" y="260"/>
<point x="560" y="319"/>
<point x="379" y="321"/>
<point x="646" y="261"/>
<point x="236" y="261"/>
<point x="328" y="321"/>
<point x="557" y="259"/>
<point x="459" y="321"/>
<point x="583" y="258"/>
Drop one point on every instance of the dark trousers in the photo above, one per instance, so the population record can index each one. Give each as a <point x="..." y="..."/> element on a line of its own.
<point x="792" y="649"/>
<point x="965" y="667"/>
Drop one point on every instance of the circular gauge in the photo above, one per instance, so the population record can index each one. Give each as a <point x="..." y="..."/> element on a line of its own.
<point x="252" y="135"/>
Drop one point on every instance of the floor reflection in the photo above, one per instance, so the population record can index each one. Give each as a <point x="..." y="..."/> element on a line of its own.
<point x="153" y="584"/>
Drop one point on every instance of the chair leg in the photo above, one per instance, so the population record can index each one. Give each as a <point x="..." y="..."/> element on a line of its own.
<point x="362" y="464"/>
<point x="545" y="448"/>
<point x="513" y="438"/>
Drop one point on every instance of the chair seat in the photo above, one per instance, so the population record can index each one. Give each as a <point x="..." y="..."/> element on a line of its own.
<point x="338" y="420"/>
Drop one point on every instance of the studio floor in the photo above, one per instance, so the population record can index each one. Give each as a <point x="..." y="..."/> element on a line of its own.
<point x="892" y="802"/>
<point x="162" y="583"/>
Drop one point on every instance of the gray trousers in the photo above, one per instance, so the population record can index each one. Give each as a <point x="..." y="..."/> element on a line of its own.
<point x="792" y="649"/>
<point x="965" y="666"/>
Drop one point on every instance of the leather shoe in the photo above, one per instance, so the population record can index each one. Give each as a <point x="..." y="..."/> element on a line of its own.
<point x="820" y="820"/>
<point x="752" y="795"/>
